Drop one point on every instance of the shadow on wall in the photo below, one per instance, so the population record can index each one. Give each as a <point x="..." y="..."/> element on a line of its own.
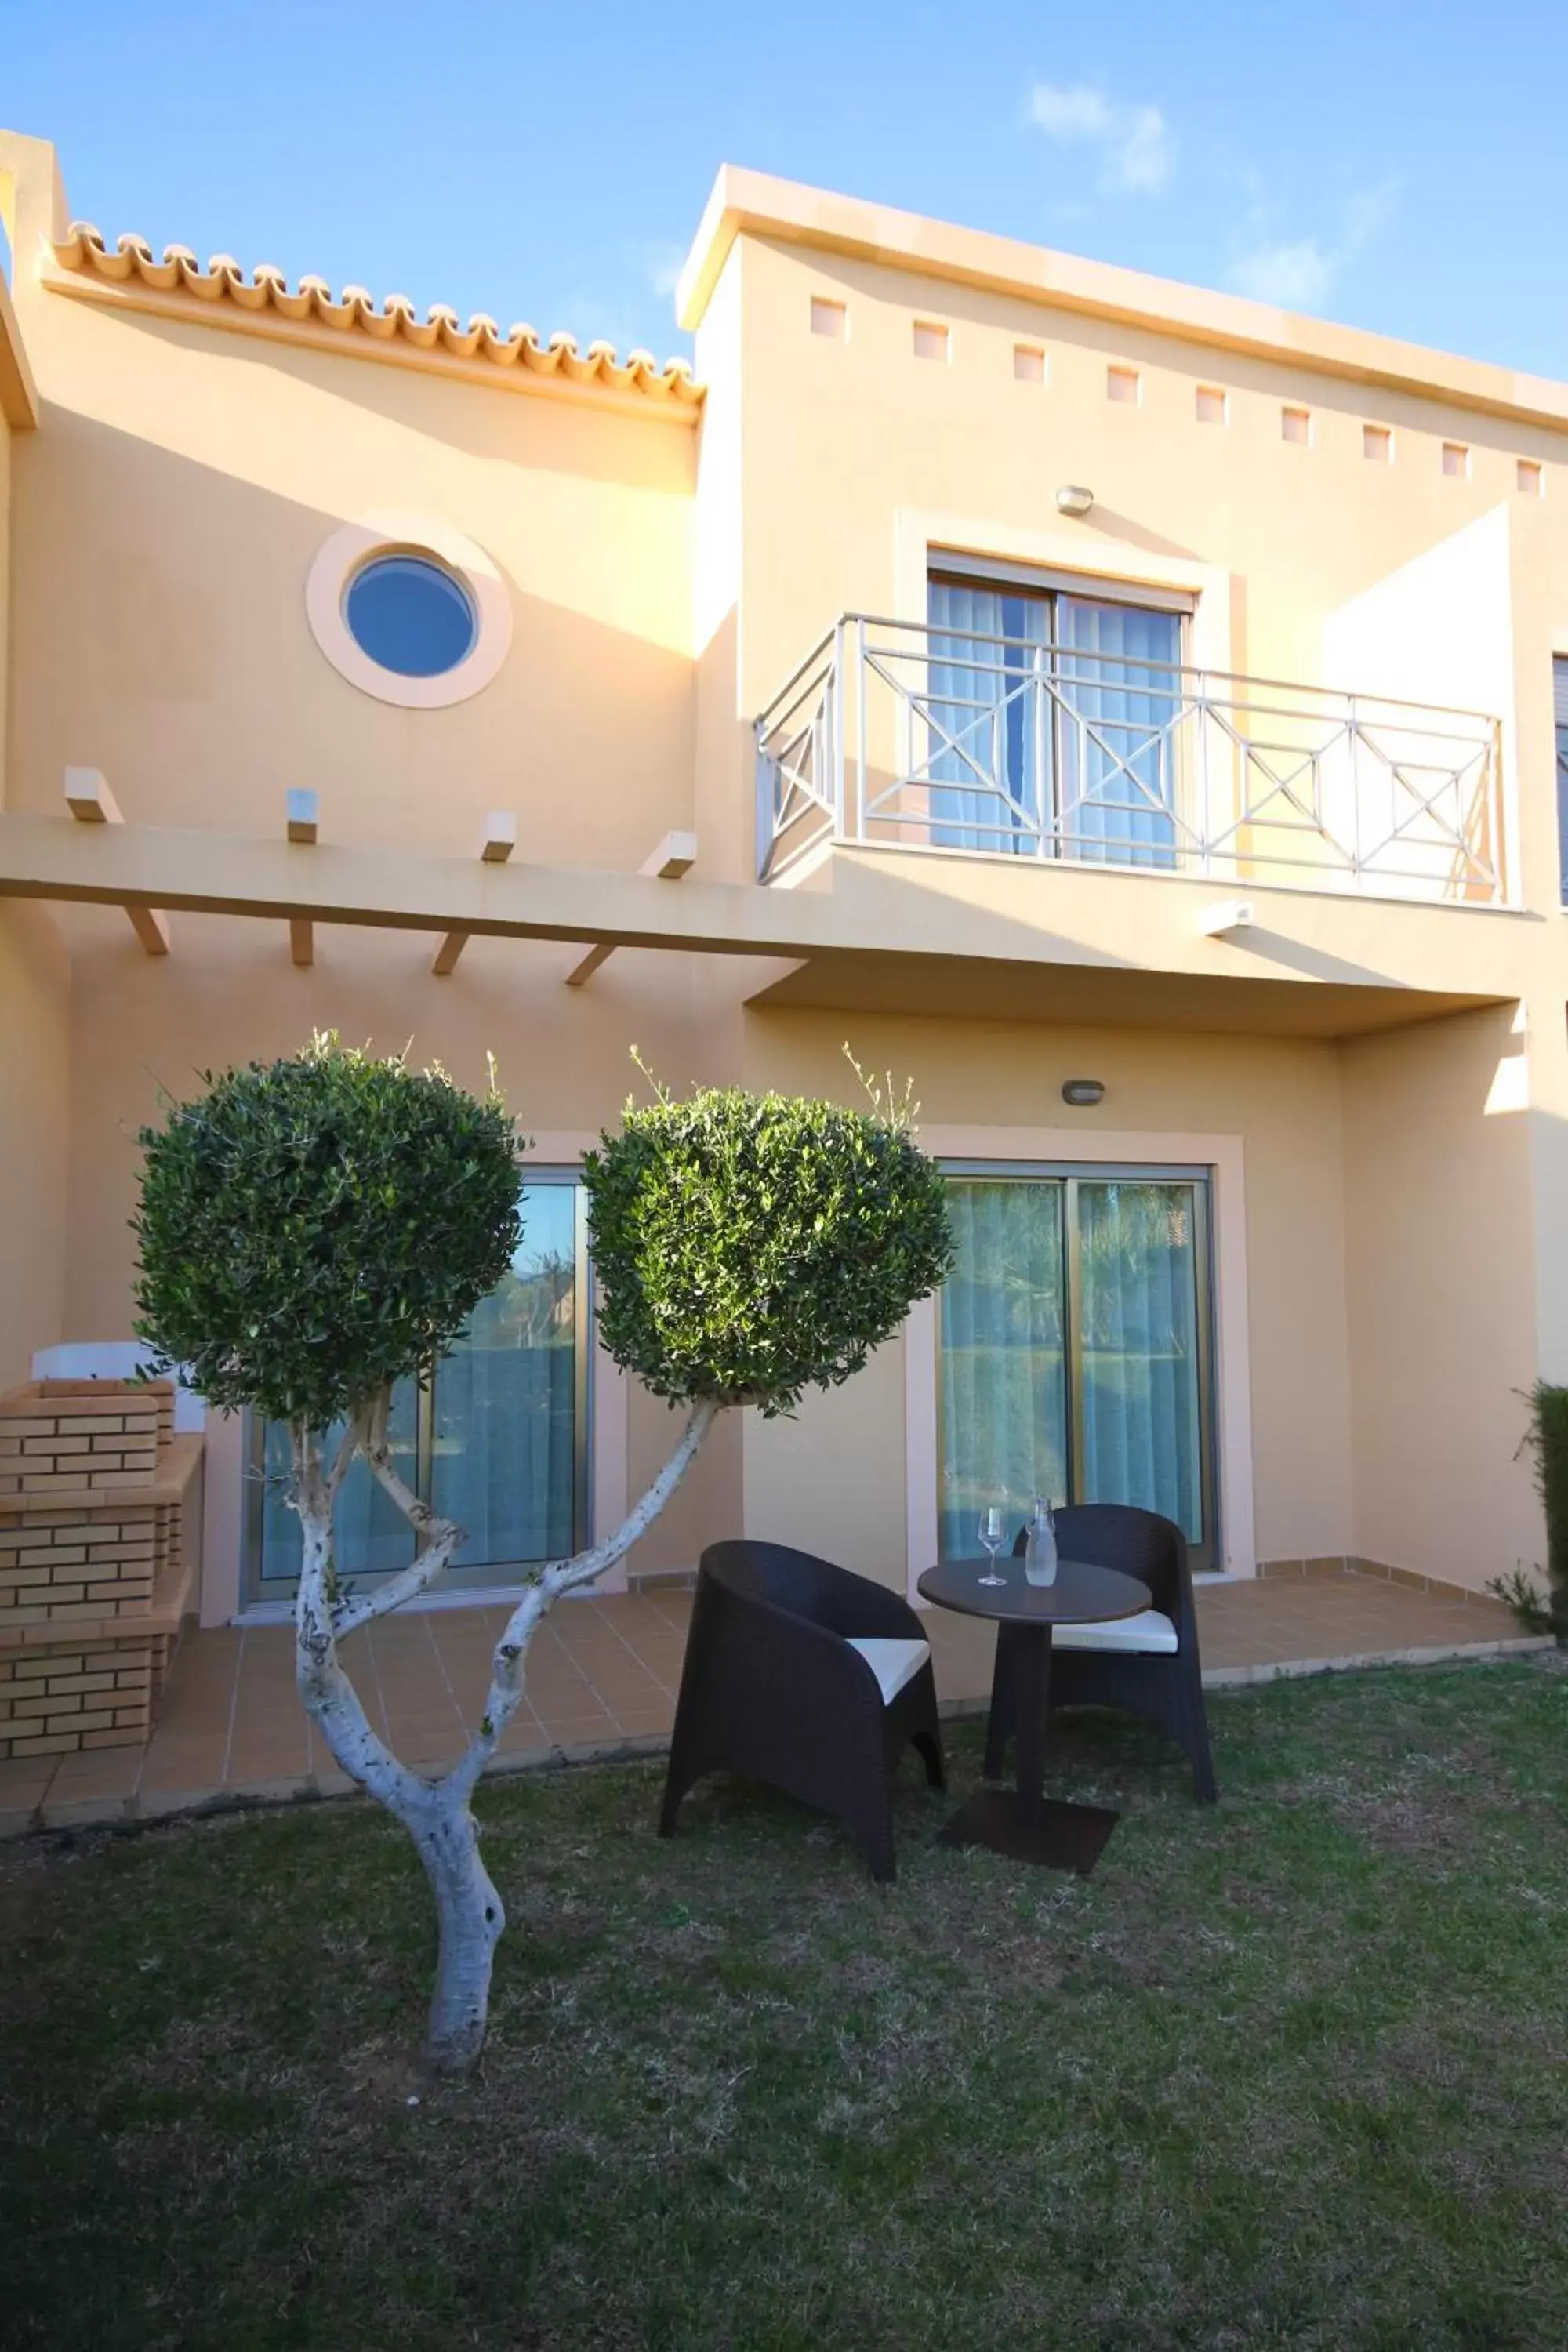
<point x="1449" y="1265"/>
<point x="482" y="417"/>
<point x="164" y="639"/>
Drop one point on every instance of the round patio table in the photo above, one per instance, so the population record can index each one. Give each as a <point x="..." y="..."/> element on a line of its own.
<point x="1022" y="1821"/>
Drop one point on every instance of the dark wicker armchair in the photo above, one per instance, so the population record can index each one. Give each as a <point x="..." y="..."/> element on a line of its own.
<point x="1146" y="1665"/>
<point x="811" y="1679"/>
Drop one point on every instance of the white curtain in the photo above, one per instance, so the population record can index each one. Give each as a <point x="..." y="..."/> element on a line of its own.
<point x="504" y="1464"/>
<point x="1138" y="1289"/>
<point x="503" y="1454"/>
<point x="370" y="1535"/>
<point x="1009" y="1354"/>
<point x="989" y="722"/>
<point x="1117" y="728"/>
<point x="1004" y="1386"/>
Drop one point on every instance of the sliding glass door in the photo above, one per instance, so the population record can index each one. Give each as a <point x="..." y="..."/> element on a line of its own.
<point x="496" y="1437"/>
<point x="1075" y="1348"/>
<point x="1053" y="720"/>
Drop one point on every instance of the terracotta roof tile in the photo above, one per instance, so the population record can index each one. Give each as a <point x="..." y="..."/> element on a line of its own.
<point x="354" y="311"/>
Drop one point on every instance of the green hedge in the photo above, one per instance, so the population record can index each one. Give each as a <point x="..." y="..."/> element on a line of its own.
<point x="1547" y="1444"/>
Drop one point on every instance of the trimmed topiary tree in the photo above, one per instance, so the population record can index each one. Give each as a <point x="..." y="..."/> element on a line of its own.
<point x="315" y="1230"/>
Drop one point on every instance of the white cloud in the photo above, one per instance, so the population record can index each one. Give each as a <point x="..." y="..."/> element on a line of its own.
<point x="1297" y="277"/>
<point x="662" y="265"/>
<point x="1299" y="274"/>
<point x="1137" y="151"/>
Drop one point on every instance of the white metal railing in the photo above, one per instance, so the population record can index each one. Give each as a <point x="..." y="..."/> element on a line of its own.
<point x="898" y="733"/>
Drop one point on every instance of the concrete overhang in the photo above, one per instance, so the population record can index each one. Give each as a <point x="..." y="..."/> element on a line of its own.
<point x="886" y="930"/>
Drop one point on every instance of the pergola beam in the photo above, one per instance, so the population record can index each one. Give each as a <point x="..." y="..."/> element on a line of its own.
<point x="496" y="845"/>
<point x="90" y="801"/>
<point x="302" y="818"/>
<point x="676" y="855"/>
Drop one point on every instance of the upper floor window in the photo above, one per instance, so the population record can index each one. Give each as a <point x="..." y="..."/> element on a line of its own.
<point x="1560" y="713"/>
<point x="411" y="614"/>
<point x="1052" y="716"/>
<point x="408" y="610"/>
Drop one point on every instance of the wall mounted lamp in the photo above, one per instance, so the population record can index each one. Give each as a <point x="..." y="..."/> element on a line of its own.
<point x="1072" y="499"/>
<point x="1083" y="1093"/>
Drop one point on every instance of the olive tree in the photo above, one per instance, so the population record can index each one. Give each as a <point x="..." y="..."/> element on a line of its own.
<point x="312" y="1231"/>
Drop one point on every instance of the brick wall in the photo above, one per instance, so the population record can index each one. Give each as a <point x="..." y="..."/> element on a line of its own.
<point x="56" y="1436"/>
<point x="93" y="1490"/>
<point x="92" y="1694"/>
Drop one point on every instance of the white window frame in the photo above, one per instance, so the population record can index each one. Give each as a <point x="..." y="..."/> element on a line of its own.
<point x="1223" y="1156"/>
<point x="344" y="554"/>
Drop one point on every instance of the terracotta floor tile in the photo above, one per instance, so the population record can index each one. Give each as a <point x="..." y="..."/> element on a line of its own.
<point x="641" y="1723"/>
<point x="110" y="1788"/>
<point x="568" y="1728"/>
<point x="520" y="1733"/>
<point x="200" y="1779"/>
<point x="606" y="1669"/>
<point x="408" y="1732"/>
<point x="247" y="1751"/>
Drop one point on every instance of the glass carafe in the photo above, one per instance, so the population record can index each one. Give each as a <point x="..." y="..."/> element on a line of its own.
<point x="1041" y="1550"/>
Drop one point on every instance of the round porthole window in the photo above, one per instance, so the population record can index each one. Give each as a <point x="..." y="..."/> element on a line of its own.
<point x="410" y="614"/>
<point x="408" y="610"/>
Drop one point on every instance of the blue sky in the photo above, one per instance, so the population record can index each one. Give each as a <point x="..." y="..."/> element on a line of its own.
<point x="1401" y="166"/>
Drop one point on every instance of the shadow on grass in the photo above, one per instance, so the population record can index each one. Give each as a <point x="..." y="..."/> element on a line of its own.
<point x="1284" y="2071"/>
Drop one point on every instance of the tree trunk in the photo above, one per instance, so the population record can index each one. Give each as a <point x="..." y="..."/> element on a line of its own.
<point x="434" y="1813"/>
<point x="471" y="1918"/>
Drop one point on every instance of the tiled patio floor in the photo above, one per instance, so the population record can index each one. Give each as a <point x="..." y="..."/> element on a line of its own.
<point x="601" y="1677"/>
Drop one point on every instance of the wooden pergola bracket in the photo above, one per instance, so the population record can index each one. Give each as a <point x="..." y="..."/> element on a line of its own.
<point x="90" y="801"/>
<point x="676" y="855"/>
<point x="301" y="824"/>
<point x="496" y="845"/>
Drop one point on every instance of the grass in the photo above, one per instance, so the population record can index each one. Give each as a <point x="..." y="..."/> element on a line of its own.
<point x="1289" y="2072"/>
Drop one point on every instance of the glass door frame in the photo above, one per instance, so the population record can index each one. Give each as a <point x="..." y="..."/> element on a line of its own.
<point x="1207" y="1556"/>
<point x="259" y="1592"/>
<point x="950" y="569"/>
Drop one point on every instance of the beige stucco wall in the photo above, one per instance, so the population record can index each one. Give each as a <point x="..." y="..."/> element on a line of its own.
<point x="835" y="1478"/>
<point x="6" y="447"/>
<point x="844" y="439"/>
<point x="168" y="511"/>
<point x="663" y="583"/>
<point x="35" y="1061"/>
<point x="166" y="515"/>
<point x="142" y="1030"/>
<point x="35" y="1055"/>
<point x="1440" y="1277"/>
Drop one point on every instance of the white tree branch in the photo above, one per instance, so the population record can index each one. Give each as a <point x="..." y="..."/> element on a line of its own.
<point x="328" y="1695"/>
<point x="565" y="1576"/>
<point x="439" y="1539"/>
<point x="348" y="1446"/>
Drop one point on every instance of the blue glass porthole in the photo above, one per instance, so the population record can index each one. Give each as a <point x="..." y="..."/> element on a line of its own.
<point x="410" y="614"/>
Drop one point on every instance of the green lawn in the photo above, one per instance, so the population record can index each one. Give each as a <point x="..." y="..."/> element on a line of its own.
<point x="1289" y="2072"/>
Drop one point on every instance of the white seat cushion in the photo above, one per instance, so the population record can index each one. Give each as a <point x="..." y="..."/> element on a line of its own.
<point x="1148" y="1633"/>
<point x="894" y="1662"/>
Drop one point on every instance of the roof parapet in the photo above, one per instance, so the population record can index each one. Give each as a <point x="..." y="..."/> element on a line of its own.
<point x="84" y="262"/>
<point x="754" y="204"/>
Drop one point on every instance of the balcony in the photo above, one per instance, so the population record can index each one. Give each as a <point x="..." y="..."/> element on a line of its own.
<point x="896" y="734"/>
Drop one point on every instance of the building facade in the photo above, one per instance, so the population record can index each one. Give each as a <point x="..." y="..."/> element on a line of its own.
<point x="1125" y="712"/>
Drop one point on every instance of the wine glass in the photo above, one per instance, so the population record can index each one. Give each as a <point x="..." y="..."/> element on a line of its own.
<point x="992" y="1535"/>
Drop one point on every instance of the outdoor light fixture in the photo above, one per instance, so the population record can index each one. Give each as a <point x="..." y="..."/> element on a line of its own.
<point x="1083" y="1093"/>
<point x="1072" y="499"/>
